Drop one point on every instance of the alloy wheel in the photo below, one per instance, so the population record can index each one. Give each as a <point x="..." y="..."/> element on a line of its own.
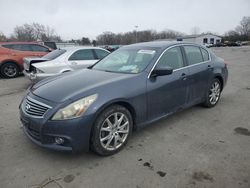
<point x="214" y="93"/>
<point x="114" y="131"/>
<point x="10" y="71"/>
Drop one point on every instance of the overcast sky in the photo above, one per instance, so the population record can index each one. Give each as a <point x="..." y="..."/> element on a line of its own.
<point x="78" y="18"/>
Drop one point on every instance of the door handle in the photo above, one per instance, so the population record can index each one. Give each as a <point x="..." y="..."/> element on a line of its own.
<point x="73" y="63"/>
<point x="210" y="67"/>
<point x="183" y="76"/>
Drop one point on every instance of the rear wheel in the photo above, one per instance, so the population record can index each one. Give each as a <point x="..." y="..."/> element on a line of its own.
<point x="213" y="94"/>
<point x="9" y="70"/>
<point x="111" y="130"/>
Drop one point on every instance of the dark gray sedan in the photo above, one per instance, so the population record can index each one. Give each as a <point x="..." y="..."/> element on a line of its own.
<point x="99" y="107"/>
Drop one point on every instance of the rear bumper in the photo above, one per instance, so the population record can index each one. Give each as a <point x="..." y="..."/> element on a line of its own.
<point x="37" y="77"/>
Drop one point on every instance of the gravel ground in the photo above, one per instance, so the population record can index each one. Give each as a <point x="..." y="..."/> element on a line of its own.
<point x="198" y="147"/>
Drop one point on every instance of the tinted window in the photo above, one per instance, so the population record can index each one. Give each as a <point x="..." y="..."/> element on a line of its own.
<point x="82" y="55"/>
<point x="54" y="54"/>
<point x="171" y="58"/>
<point x="38" y="48"/>
<point x="9" y="46"/>
<point x="193" y="54"/>
<point x="205" y="54"/>
<point x="20" y="47"/>
<point x="101" y="53"/>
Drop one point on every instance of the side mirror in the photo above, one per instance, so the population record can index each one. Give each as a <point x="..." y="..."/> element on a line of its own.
<point x="161" y="71"/>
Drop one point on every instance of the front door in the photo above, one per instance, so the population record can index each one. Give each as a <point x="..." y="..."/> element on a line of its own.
<point x="166" y="94"/>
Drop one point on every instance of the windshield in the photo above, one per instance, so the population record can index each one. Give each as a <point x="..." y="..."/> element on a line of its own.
<point x="126" y="61"/>
<point x="54" y="54"/>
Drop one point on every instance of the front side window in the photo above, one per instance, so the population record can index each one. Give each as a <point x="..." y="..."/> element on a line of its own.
<point x="193" y="54"/>
<point x="82" y="55"/>
<point x="126" y="61"/>
<point x="171" y="58"/>
<point x="101" y="53"/>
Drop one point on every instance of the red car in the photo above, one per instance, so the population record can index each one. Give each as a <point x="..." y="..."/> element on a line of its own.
<point x="12" y="54"/>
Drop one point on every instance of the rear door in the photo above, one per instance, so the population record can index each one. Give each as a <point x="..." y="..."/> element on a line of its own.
<point x="168" y="93"/>
<point x="82" y="59"/>
<point x="200" y="69"/>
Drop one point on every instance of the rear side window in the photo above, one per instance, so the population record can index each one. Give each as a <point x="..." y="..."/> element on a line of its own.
<point x="205" y="54"/>
<point x="171" y="58"/>
<point x="20" y="47"/>
<point x="193" y="54"/>
<point x="82" y="55"/>
<point x="38" y="48"/>
<point x="101" y="53"/>
<point x="9" y="46"/>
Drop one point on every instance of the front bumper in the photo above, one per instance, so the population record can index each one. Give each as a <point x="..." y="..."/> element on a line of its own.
<point x="43" y="131"/>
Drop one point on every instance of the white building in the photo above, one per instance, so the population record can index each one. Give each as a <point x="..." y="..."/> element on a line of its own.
<point x="201" y="39"/>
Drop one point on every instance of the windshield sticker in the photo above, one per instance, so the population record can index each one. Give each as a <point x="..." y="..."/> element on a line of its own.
<point x="151" y="52"/>
<point x="128" y="68"/>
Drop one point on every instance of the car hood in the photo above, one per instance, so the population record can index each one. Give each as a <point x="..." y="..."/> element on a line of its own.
<point x="79" y="83"/>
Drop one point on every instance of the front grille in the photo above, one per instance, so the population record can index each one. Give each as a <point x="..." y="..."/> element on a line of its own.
<point x="35" y="108"/>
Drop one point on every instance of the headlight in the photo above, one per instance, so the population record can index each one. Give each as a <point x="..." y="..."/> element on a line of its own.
<point x="75" y="109"/>
<point x="39" y="71"/>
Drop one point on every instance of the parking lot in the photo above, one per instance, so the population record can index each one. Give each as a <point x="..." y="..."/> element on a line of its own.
<point x="197" y="147"/>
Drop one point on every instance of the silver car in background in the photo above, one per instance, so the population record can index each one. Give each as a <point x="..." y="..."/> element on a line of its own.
<point x="61" y="61"/>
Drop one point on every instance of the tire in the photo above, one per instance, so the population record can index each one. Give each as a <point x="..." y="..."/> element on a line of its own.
<point x="213" y="94"/>
<point x="109" y="137"/>
<point x="9" y="70"/>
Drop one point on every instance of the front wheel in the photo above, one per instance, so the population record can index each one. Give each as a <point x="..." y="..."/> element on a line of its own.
<point x="111" y="130"/>
<point x="213" y="94"/>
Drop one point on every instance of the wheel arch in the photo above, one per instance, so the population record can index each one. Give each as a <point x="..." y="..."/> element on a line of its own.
<point x="120" y="102"/>
<point x="219" y="77"/>
<point x="11" y="61"/>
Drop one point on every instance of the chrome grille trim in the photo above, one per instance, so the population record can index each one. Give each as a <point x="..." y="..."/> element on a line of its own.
<point x="35" y="108"/>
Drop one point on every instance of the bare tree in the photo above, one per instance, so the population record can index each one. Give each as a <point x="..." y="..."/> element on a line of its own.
<point x="35" y="32"/>
<point x="109" y="38"/>
<point x="244" y="27"/>
<point x="3" y="38"/>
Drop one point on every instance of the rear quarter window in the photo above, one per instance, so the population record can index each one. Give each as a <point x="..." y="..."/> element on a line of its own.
<point x="205" y="54"/>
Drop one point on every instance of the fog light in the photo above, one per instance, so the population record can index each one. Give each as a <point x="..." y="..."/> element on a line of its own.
<point x="59" y="140"/>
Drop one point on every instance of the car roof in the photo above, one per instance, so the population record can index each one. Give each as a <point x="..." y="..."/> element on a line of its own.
<point x="19" y="43"/>
<point x="73" y="48"/>
<point x="158" y="44"/>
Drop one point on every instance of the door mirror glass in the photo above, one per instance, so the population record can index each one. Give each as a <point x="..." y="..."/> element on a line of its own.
<point x="161" y="71"/>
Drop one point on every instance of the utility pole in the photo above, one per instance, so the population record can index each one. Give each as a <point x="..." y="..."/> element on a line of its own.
<point x="136" y="26"/>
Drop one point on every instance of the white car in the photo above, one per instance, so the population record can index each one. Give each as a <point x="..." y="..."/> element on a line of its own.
<point x="61" y="61"/>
